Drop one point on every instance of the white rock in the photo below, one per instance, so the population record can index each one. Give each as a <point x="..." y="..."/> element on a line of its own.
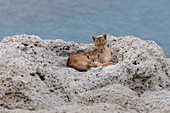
<point x="114" y="94"/>
<point x="34" y="76"/>
<point x="157" y="101"/>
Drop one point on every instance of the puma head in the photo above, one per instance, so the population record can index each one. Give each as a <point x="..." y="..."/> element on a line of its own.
<point x="100" y="43"/>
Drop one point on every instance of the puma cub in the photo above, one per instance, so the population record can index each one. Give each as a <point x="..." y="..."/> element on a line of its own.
<point x="82" y="61"/>
<point x="100" y="43"/>
<point x="98" y="64"/>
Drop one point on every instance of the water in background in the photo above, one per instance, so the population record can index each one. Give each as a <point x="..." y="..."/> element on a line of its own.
<point x="78" y="20"/>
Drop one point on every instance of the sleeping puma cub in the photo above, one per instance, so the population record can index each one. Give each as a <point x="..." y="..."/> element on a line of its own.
<point x="82" y="61"/>
<point x="98" y="64"/>
<point x="94" y="61"/>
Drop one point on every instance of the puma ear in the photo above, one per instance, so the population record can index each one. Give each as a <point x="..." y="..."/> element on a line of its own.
<point x="93" y="37"/>
<point x="88" y="56"/>
<point x="104" y="35"/>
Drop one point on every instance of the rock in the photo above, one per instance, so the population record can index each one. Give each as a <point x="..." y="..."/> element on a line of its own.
<point x="95" y="108"/>
<point x="157" y="101"/>
<point x="34" y="76"/>
<point x="22" y="86"/>
<point x="124" y="98"/>
<point x="168" y="62"/>
<point x="142" y="64"/>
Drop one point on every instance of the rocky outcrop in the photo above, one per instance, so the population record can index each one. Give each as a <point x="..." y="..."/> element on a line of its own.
<point x="143" y="63"/>
<point x="157" y="101"/>
<point x="34" y="76"/>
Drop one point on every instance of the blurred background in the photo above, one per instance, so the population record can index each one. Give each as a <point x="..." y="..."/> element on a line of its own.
<point x="78" y="20"/>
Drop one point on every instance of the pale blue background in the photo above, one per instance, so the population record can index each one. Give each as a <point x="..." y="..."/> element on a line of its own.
<point x="78" y="20"/>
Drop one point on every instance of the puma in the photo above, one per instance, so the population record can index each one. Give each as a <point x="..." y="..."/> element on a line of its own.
<point x="82" y="61"/>
<point x="100" y="43"/>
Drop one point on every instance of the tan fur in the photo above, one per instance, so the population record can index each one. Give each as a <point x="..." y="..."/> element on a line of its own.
<point x="93" y="61"/>
<point x="107" y="64"/>
<point x="96" y="63"/>
<point x="81" y="62"/>
<point x="100" y="43"/>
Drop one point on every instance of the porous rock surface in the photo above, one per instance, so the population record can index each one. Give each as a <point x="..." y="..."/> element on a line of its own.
<point x="34" y="76"/>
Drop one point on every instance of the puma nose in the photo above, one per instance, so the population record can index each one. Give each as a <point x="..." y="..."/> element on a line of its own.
<point x="101" y="50"/>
